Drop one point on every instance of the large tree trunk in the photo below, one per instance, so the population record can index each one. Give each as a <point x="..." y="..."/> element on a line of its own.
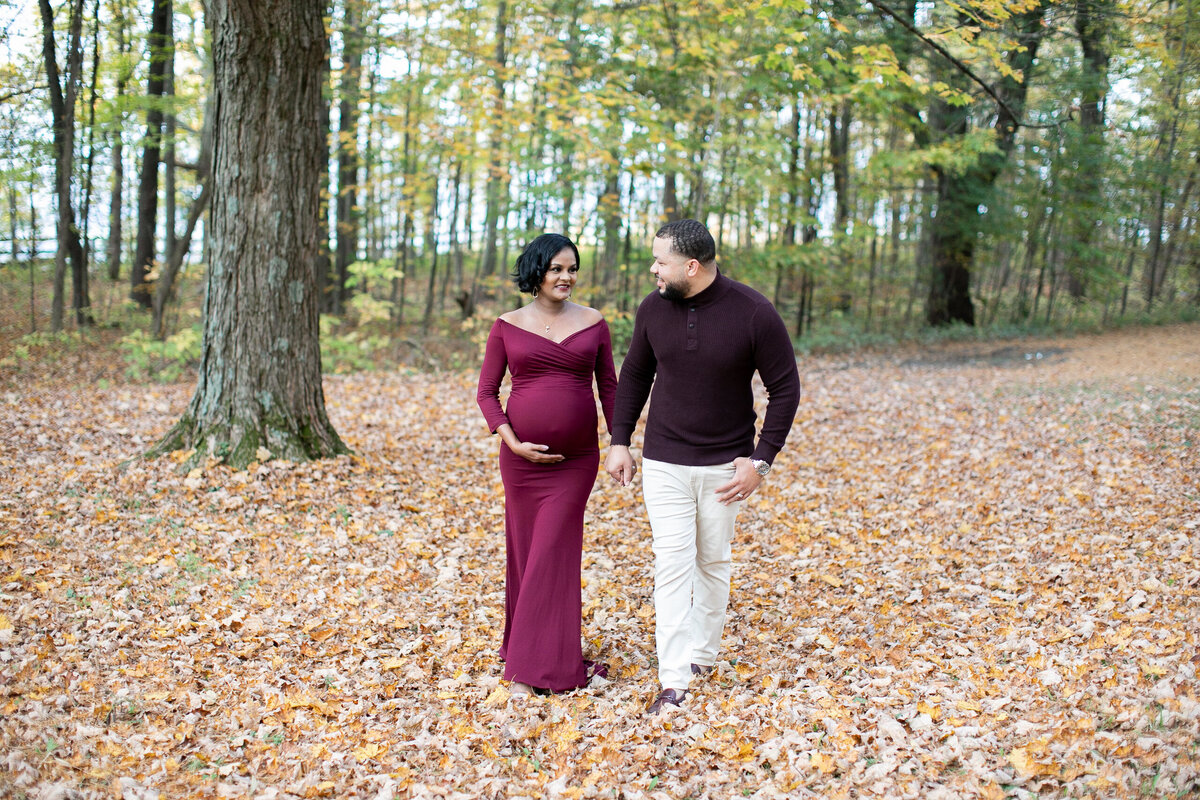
<point x="147" y="219"/>
<point x="260" y="371"/>
<point x="1086" y="191"/>
<point x="62" y="111"/>
<point x="955" y="227"/>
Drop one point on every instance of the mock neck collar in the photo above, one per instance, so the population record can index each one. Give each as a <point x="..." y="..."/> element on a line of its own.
<point x="710" y="293"/>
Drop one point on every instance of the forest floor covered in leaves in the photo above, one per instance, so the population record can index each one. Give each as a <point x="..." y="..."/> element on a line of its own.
<point x="973" y="572"/>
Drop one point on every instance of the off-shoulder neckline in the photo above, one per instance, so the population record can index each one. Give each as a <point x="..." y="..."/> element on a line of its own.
<point x="563" y="340"/>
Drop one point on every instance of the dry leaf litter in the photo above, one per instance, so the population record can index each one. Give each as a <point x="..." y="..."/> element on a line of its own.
<point x="974" y="572"/>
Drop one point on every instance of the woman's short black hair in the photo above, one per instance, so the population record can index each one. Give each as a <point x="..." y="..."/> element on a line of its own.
<point x="535" y="260"/>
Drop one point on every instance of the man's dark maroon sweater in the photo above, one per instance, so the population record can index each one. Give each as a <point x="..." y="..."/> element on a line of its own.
<point x="700" y="355"/>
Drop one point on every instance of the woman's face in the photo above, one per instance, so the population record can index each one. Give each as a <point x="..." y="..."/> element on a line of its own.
<point x="560" y="275"/>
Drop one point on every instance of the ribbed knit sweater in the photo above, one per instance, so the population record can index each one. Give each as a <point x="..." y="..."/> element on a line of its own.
<point x="700" y="355"/>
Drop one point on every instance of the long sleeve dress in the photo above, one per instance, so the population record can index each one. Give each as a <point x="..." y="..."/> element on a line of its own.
<point x="552" y="403"/>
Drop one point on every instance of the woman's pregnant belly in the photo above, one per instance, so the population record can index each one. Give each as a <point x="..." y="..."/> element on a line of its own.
<point x="562" y="418"/>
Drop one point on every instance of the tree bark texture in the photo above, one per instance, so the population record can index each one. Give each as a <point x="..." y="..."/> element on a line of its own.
<point x="62" y="111"/>
<point x="116" y="198"/>
<point x="147" y="219"/>
<point x="497" y="183"/>
<point x="1091" y="25"/>
<point x="349" y="159"/>
<point x="955" y="228"/>
<point x="164" y="287"/>
<point x="260" y="371"/>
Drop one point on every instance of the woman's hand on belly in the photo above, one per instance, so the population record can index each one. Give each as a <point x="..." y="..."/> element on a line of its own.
<point x="534" y="453"/>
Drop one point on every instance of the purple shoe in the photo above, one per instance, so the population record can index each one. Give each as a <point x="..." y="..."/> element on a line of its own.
<point x="667" y="697"/>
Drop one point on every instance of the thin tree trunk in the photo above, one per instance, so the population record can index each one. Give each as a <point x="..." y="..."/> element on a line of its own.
<point x="1177" y="225"/>
<point x="408" y="201"/>
<point x="164" y="288"/>
<point x="33" y="253"/>
<point x="497" y="183"/>
<point x="12" y="224"/>
<point x="454" y="268"/>
<point x="1153" y="269"/>
<point x="670" y="199"/>
<point x="1021" y="309"/>
<point x="116" y="199"/>
<point x="873" y="261"/>
<point x="62" y="109"/>
<point x="349" y="158"/>
<point x="169" y="171"/>
<point x="85" y="210"/>
<point x="323" y="259"/>
<point x="1133" y="251"/>
<point x="610" y="220"/>
<point x="147" y="229"/>
<point x="431" y="248"/>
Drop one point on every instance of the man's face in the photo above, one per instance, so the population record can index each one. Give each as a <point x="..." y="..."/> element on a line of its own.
<point x="670" y="268"/>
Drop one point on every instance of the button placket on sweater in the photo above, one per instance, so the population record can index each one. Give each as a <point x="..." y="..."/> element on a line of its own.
<point x="693" y="343"/>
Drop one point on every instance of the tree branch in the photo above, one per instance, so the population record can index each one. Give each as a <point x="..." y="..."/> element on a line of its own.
<point x="883" y="8"/>
<point x="4" y="98"/>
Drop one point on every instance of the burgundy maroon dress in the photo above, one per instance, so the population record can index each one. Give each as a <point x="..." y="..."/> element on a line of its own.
<point x="552" y="404"/>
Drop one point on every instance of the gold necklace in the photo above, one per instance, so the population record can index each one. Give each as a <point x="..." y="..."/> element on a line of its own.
<point x="547" y="327"/>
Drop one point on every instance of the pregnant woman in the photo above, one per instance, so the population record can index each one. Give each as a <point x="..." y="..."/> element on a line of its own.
<point x="549" y="458"/>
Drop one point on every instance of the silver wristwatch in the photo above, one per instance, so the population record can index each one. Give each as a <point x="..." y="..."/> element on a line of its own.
<point x="761" y="467"/>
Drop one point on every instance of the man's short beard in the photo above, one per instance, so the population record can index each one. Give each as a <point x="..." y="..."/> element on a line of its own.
<point x="674" y="292"/>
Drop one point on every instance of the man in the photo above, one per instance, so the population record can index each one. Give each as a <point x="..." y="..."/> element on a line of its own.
<point x="698" y="340"/>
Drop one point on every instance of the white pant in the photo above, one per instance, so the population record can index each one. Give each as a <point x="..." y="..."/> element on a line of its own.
<point x="692" y="536"/>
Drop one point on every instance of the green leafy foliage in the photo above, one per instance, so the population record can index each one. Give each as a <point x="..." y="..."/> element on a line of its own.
<point x="166" y="360"/>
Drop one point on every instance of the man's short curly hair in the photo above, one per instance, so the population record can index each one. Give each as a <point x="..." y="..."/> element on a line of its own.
<point x="690" y="238"/>
<point x="535" y="259"/>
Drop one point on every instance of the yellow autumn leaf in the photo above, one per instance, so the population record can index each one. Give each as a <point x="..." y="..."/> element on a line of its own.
<point x="832" y="581"/>
<point x="322" y="633"/>
<point x="822" y="762"/>
<point x="498" y="697"/>
<point x="5" y="623"/>
<point x="367" y="752"/>
<point x="1020" y="761"/>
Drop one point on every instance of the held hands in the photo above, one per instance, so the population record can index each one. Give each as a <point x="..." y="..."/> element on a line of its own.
<point x="620" y="464"/>
<point x="745" y="481"/>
